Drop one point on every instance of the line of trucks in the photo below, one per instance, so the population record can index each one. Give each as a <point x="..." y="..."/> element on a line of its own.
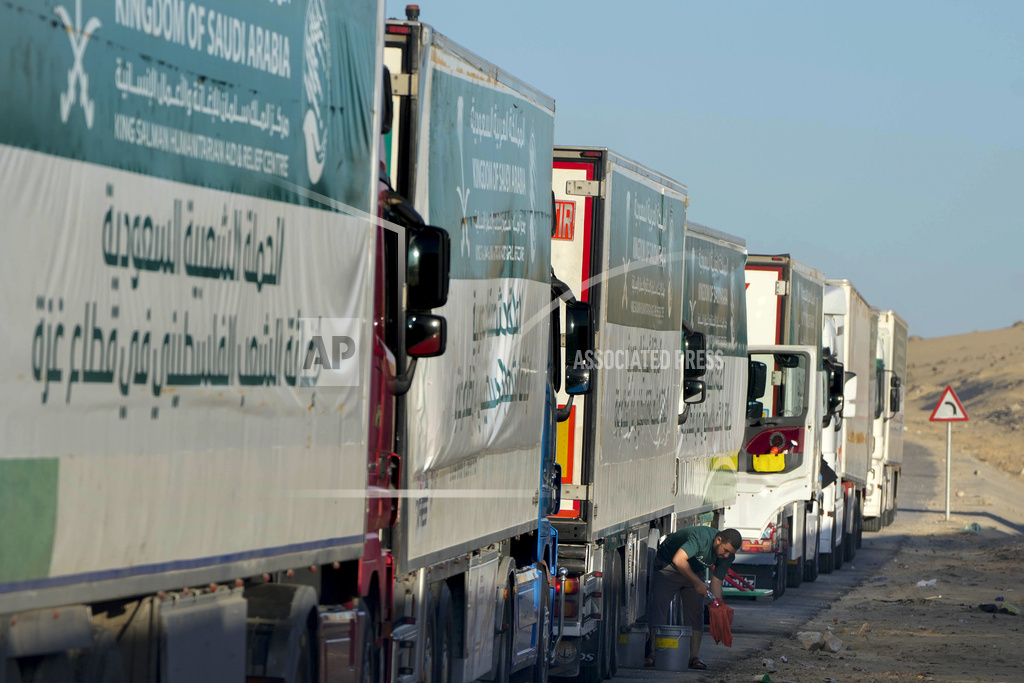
<point x="317" y="375"/>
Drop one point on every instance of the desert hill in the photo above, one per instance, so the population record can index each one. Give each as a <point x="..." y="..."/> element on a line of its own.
<point x="986" y="369"/>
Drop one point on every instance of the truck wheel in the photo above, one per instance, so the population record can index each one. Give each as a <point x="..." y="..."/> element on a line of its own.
<point x="873" y="524"/>
<point x="611" y="612"/>
<point x="859" y="522"/>
<point x="827" y="561"/>
<point x="812" y="565"/>
<point x="47" y="669"/>
<point x="100" y="663"/>
<point x="444" y="645"/>
<point x="795" y="573"/>
<point x="371" y="654"/>
<point x="503" y="640"/>
<point x="850" y="540"/>
<point x="779" y="588"/>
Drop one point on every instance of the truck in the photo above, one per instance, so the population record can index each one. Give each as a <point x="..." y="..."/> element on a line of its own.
<point x="619" y="243"/>
<point x="198" y="414"/>
<point x="473" y="553"/>
<point x="712" y="433"/>
<point x="778" y="509"/>
<point x="881" y="497"/>
<point x="846" y="448"/>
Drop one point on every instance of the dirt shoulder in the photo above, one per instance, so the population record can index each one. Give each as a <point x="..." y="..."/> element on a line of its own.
<point x="892" y="628"/>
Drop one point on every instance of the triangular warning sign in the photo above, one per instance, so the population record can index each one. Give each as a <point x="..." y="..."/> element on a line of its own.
<point x="949" y="408"/>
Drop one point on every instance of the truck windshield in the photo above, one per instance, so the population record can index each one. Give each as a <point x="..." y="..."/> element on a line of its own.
<point x="785" y="393"/>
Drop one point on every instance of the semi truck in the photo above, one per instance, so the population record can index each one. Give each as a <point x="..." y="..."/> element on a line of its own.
<point x="881" y="498"/>
<point x="846" y="448"/>
<point x="778" y="509"/>
<point x="618" y="243"/>
<point x="474" y="556"/>
<point x="196" y="391"/>
<point x="712" y="433"/>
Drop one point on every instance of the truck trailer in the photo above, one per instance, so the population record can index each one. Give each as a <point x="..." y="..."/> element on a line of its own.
<point x="618" y="242"/>
<point x="473" y="553"/>
<point x="881" y="498"/>
<point x="846" y="448"/>
<point x="712" y="433"/>
<point x="779" y="484"/>
<point x="198" y="425"/>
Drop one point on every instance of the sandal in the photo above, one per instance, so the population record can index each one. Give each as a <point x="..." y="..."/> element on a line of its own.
<point x="696" y="663"/>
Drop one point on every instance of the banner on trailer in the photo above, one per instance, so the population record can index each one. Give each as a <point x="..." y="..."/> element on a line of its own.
<point x="714" y="292"/>
<point x="489" y="185"/>
<point x="638" y="348"/>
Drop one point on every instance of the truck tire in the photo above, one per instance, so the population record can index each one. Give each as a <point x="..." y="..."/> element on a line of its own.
<point x="429" y="673"/>
<point x="812" y="566"/>
<point x="47" y="669"/>
<point x="850" y="540"/>
<point x="444" y="643"/>
<point x="503" y="640"/>
<point x="873" y="524"/>
<point x="611" y="612"/>
<point x="779" y="587"/>
<point x="827" y="561"/>
<point x="795" y="573"/>
<point x="100" y="663"/>
<point x="371" y="653"/>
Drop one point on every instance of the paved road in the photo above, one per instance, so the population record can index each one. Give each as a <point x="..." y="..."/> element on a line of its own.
<point x="757" y="624"/>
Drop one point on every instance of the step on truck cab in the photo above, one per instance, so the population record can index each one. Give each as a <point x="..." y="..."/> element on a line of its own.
<point x="779" y="472"/>
<point x="618" y="243"/>
<point x="474" y="555"/>
<point x="846" y="448"/>
<point x="881" y="499"/>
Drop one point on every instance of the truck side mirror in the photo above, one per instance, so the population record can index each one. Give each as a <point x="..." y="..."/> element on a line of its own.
<point x="757" y="380"/>
<point x="579" y="347"/>
<point x="694" y="391"/>
<point x="894" y="394"/>
<point x="425" y="335"/>
<point x="836" y="400"/>
<point x="427" y="267"/>
<point x="695" y="358"/>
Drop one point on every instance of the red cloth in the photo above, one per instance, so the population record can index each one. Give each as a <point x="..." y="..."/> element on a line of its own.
<point x="721" y="623"/>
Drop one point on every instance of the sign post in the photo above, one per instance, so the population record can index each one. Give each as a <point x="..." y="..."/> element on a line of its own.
<point x="948" y="410"/>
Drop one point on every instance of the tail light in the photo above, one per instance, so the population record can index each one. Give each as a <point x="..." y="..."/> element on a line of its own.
<point x="572" y="608"/>
<point x="757" y="546"/>
<point x="765" y="544"/>
<point x="786" y="439"/>
<point x="572" y="586"/>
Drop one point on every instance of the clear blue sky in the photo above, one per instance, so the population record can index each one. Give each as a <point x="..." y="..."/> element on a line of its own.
<point x="877" y="141"/>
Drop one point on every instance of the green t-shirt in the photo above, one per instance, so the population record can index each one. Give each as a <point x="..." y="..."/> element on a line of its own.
<point x="697" y="541"/>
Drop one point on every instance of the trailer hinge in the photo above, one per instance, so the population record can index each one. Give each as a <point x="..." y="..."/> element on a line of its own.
<point x="404" y="85"/>
<point x="781" y="287"/>
<point x="576" y="491"/>
<point x="584" y="188"/>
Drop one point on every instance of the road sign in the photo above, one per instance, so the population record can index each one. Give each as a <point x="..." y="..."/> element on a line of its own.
<point x="949" y="408"/>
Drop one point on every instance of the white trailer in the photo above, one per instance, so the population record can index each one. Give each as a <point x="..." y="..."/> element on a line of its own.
<point x="712" y="433"/>
<point x="846" y="447"/>
<point x="187" y="207"/>
<point x="881" y="501"/>
<point x="474" y="556"/>
<point x="778" y="506"/>
<point x="618" y="243"/>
